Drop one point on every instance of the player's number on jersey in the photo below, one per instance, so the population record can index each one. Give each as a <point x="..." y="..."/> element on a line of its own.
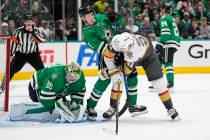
<point x="176" y="31"/>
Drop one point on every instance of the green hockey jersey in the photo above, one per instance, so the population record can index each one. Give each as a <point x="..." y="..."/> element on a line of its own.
<point x="51" y="84"/>
<point x="169" y="32"/>
<point x="100" y="33"/>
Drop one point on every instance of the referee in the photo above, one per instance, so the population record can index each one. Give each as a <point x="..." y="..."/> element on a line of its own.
<point x="25" y="48"/>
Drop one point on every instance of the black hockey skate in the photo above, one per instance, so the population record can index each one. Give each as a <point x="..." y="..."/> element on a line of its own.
<point x="173" y="114"/>
<point x="137" y="110"/>
<point x="91" y="114"/>
<point x="109" y="113"/>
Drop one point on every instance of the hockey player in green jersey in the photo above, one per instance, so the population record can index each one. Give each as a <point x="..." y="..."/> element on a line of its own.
<point x="98" y="32"/>
<point x="169" y="43"/>
<point x="49" y="87"/>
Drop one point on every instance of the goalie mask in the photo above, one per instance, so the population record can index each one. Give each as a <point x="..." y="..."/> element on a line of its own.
<point x="73" y="72"/>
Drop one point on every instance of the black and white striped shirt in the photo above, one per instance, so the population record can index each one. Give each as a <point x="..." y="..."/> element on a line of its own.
<point x="26" y="42"/>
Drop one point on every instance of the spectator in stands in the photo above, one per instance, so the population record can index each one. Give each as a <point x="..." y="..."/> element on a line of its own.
<point x="4" y="28"/>
<point x="21" y="11"/>
<point x="156" y="25"/>
<point x="160" y="5"/>
<point x="136" y="9"/>
<point x="12" y="26"/>
<point x="71" y="26"/>
<point x="197" y="9"/>
<point x="130" y="27"/>
<point x="8" y="7"/>
<point x="153" y="4"/>
<point x="21" y="8"/>
<point x="153" y="12"/>
<point x="207" y="11"/>
<point x="147" y="29"/>
<point x="44" y="29"/>
<point x="39" y="8"/>
<point x="146" y="10"/>
<point x="101" y="5"/>
<point x="139" y="20"/>
<point x="124" y="12"/>
<point x="185" y="7"/>
<point x="186" y="26"/>
<point x="60" y="30"/>
<point x="205" y="29"/>
<point x="195" y="29"/>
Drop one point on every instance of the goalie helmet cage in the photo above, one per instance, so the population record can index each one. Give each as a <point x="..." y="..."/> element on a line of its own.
<point x="5" y="69"/>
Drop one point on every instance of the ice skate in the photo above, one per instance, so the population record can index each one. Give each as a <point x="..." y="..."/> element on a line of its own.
<point x="137" y="110"/>
<point x="174" y="114"/>
<point x="91" y="114"/>
<point x="109" y="113"/>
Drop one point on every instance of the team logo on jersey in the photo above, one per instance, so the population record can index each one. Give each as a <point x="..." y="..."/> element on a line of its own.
<point x="107" y="34"/>
<point x="129" y="54"/>
<point x="49" y="85"/>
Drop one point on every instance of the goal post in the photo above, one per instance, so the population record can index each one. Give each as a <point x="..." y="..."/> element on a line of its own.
<point x="5" y="41"/>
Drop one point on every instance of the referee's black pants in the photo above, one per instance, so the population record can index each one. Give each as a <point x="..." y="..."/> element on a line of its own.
<point x="20" y="59"/>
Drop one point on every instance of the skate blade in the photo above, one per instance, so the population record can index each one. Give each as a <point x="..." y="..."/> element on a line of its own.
<point x="176" y="119"/>
<point x="106" y="119"/>
<point x="134" y="114"/>
<point x="91" y="118"/>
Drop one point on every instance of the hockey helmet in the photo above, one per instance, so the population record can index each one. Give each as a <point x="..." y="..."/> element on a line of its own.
<point x="73" y="72"/>
<point x="122" y="42"/>
<point x="83" y="10"/>
<point x="28" y="17"/>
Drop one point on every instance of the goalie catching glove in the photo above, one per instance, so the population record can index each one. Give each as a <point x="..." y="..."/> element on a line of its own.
<point x="69" y="111"/>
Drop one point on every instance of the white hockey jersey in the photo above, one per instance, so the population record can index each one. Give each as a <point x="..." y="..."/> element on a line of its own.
<point x="133" y="46"/>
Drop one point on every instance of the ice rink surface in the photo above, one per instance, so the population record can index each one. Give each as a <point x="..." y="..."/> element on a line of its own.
<point x="191" y="99"/>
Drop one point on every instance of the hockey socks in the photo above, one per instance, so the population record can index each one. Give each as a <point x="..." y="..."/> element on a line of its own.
<point x="165" y="97"/>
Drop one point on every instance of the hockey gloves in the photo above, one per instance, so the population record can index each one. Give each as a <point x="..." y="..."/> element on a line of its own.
<point x="113" y="16"/>
<point x="119" y="59"/>
<point x="159" y="51"/>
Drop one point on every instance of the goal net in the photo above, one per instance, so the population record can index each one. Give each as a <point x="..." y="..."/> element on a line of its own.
<point x="4" y="71"/>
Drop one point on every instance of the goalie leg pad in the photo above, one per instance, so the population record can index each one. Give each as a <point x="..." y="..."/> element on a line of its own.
<point x="18" y="113"/>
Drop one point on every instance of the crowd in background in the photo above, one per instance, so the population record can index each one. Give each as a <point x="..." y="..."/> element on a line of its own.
<point x="140" y="16"/>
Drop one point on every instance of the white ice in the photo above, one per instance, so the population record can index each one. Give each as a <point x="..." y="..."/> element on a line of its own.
<point x="191" y="99"/>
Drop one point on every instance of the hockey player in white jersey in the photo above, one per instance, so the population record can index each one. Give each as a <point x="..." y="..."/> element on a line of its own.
<point x="138" y="50"/>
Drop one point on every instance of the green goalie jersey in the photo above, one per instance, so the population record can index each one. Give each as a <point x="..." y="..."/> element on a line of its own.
<point x="100" y="33"/>
<point x="51" y="84"/>
<point x="169" y="32"/>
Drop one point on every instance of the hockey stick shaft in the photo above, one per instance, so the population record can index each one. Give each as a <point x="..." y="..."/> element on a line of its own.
<point x="117" y="115"/>
<point x="126" y="90"/>
<point x="117" y="109"/>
